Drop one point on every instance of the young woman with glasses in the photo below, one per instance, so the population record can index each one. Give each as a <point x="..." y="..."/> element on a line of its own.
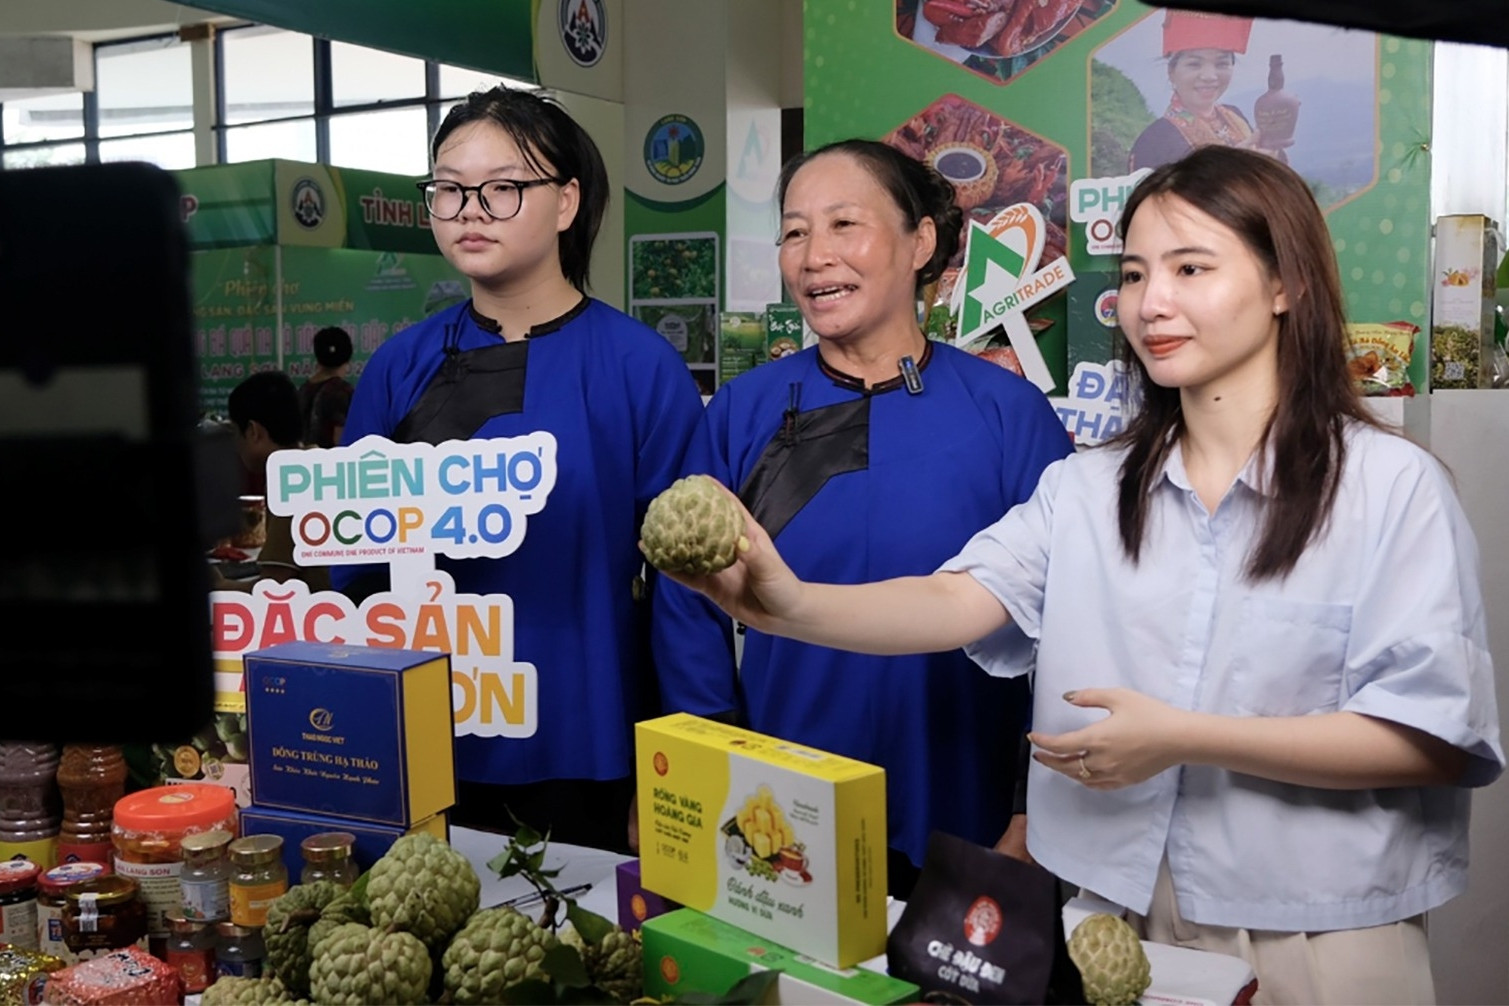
<point x="515" y="200"/>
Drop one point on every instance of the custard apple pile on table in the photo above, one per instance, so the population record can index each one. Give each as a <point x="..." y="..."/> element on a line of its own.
<point x="1111" y="961"/>
<point x="616" y="965"/>
<point x="230" y="991"/>
<point x="357" y="964"/>
<point x="424" y="887"/>
<point x="499" y="947"/>
<point x="287" y="933"/>
<point x="346" y="907"/>
<point x="693" y="527"/>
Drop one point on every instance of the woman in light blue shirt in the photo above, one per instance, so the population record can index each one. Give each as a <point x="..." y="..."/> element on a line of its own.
<point x="1263" y="682"/>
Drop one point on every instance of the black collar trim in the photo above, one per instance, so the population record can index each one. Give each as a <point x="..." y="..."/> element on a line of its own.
<point x="853" y="383"/>
<point x="487" y="324"/>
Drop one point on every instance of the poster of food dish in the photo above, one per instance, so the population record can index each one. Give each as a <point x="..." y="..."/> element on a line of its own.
<point x="996" y="39"/>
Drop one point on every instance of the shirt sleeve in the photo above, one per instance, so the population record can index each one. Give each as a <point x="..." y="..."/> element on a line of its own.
<point x="692" y="638"/>
<point x="1418" y="649"/>
<point x="1010" y="559"/>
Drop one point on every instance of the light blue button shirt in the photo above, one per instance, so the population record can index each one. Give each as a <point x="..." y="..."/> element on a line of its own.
<point x="1383" y="615"/>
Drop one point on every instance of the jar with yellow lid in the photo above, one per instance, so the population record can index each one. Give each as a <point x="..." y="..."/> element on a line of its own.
<point x="148" y="832"/>
<point x="327" y="856"/>
<point x="258" y="878"/>
<point x="102" y="915"/>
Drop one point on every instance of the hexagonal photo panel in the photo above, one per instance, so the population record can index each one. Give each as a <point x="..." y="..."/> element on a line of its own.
<point x="996" y="39"/>
<point x="993" y="163"/>
<point x="1307" y="94"/>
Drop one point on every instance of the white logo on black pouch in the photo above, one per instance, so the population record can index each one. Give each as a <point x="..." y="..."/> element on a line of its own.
<point x="307" y="203"/>
<point x="584" y="30"/>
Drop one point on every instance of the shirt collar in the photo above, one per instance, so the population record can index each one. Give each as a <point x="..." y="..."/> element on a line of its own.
<point x="487" y="324"/>
<point x="1255" y="474"/>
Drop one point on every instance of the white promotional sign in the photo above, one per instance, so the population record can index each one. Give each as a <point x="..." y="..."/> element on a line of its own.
<point x="1098" y="405"/>
<point x="379" y="502"/>
<point x="1097" y="203"/>
<point x="1001" y="279"/>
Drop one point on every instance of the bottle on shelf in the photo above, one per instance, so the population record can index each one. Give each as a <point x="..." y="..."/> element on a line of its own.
<point x="91" y="778"/>
<point x="29" y="810"/>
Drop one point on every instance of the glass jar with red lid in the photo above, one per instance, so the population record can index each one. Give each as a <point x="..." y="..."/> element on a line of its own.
<point x="18" y="903"/>
<point x="148" y="832"/>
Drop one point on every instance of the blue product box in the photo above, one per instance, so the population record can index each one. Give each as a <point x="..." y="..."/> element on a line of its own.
<point x="354" y="732"/>
<point x="372" y="840"/>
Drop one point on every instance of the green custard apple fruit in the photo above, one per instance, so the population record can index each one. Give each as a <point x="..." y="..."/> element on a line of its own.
<point x="424" y="887"/>
<point x="346" y="907"/>
<point x="229" y="991"/>
<point x="498" y="948"/>
<point x="1111" y="961"/>
<point x="357" y="964"/>
<point x="616" y="965"/>
<point x="693" y="527"/>
<point x="289" y="952"/>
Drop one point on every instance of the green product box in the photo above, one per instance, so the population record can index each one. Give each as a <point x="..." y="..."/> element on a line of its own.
<point x="783" y="330"/>
<point x="687" y="951"/>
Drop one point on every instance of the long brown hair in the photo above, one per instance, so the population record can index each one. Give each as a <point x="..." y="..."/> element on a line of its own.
<point x="1271" y="210"/>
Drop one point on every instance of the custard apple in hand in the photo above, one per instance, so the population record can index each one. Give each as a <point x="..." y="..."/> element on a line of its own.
<point x="693" y="527"/>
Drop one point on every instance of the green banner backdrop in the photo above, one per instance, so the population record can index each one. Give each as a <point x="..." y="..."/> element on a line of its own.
<point x="1064" y="95"/>
<point x="283" y="249"/>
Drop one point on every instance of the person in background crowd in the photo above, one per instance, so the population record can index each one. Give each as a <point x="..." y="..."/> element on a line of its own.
<point x="1249" y="727"/>
<point x="325" y="398"/>
<point x="264" y="409"/>
<point x="875" y="453"/>
<point x="1202" y="51"/>
<point x="515" y="202"/>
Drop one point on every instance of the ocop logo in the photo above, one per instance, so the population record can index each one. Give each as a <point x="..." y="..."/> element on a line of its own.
<point x="307" y="203"/>
<point x="321" y="719"/>
<point x="662" y="764"/>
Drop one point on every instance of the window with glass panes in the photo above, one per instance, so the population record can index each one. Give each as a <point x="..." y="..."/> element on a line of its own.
<point x="277" y="94"/>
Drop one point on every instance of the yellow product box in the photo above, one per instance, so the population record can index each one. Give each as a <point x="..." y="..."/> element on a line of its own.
<point x="782" y="840"/>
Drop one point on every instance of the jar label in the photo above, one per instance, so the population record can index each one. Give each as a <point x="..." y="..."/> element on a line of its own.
<point x="206" y="900"/>
<point x="18" y="924"/>
<point x="89" y="913"/>
<point x="159" y="888"/>
<point x="196" y="968"/>
<point x="50" y="933"/>
<point x="86" y="852"/>
<point x="239" y="969"/>
<point x="43" y="852"/>
<point x="250" y="902"/>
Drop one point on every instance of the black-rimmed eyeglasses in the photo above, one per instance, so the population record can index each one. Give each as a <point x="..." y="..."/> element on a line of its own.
<point x="501" y="199"/>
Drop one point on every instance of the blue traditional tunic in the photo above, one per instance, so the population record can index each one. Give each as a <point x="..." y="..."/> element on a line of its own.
<point x="621" y="405"/>
<point x="858" y="485"/>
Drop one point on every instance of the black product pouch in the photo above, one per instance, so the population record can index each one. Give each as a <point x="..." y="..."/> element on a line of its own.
<point x="982" y="927"/>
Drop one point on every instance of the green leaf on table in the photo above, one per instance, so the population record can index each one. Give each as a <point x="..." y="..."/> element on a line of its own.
<point x="359" y="891"/>
<point x="503" y="863"/>
<point x="526" y="837"/>
<point x="564" y="965"/>
<point x="592" y="927"/>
